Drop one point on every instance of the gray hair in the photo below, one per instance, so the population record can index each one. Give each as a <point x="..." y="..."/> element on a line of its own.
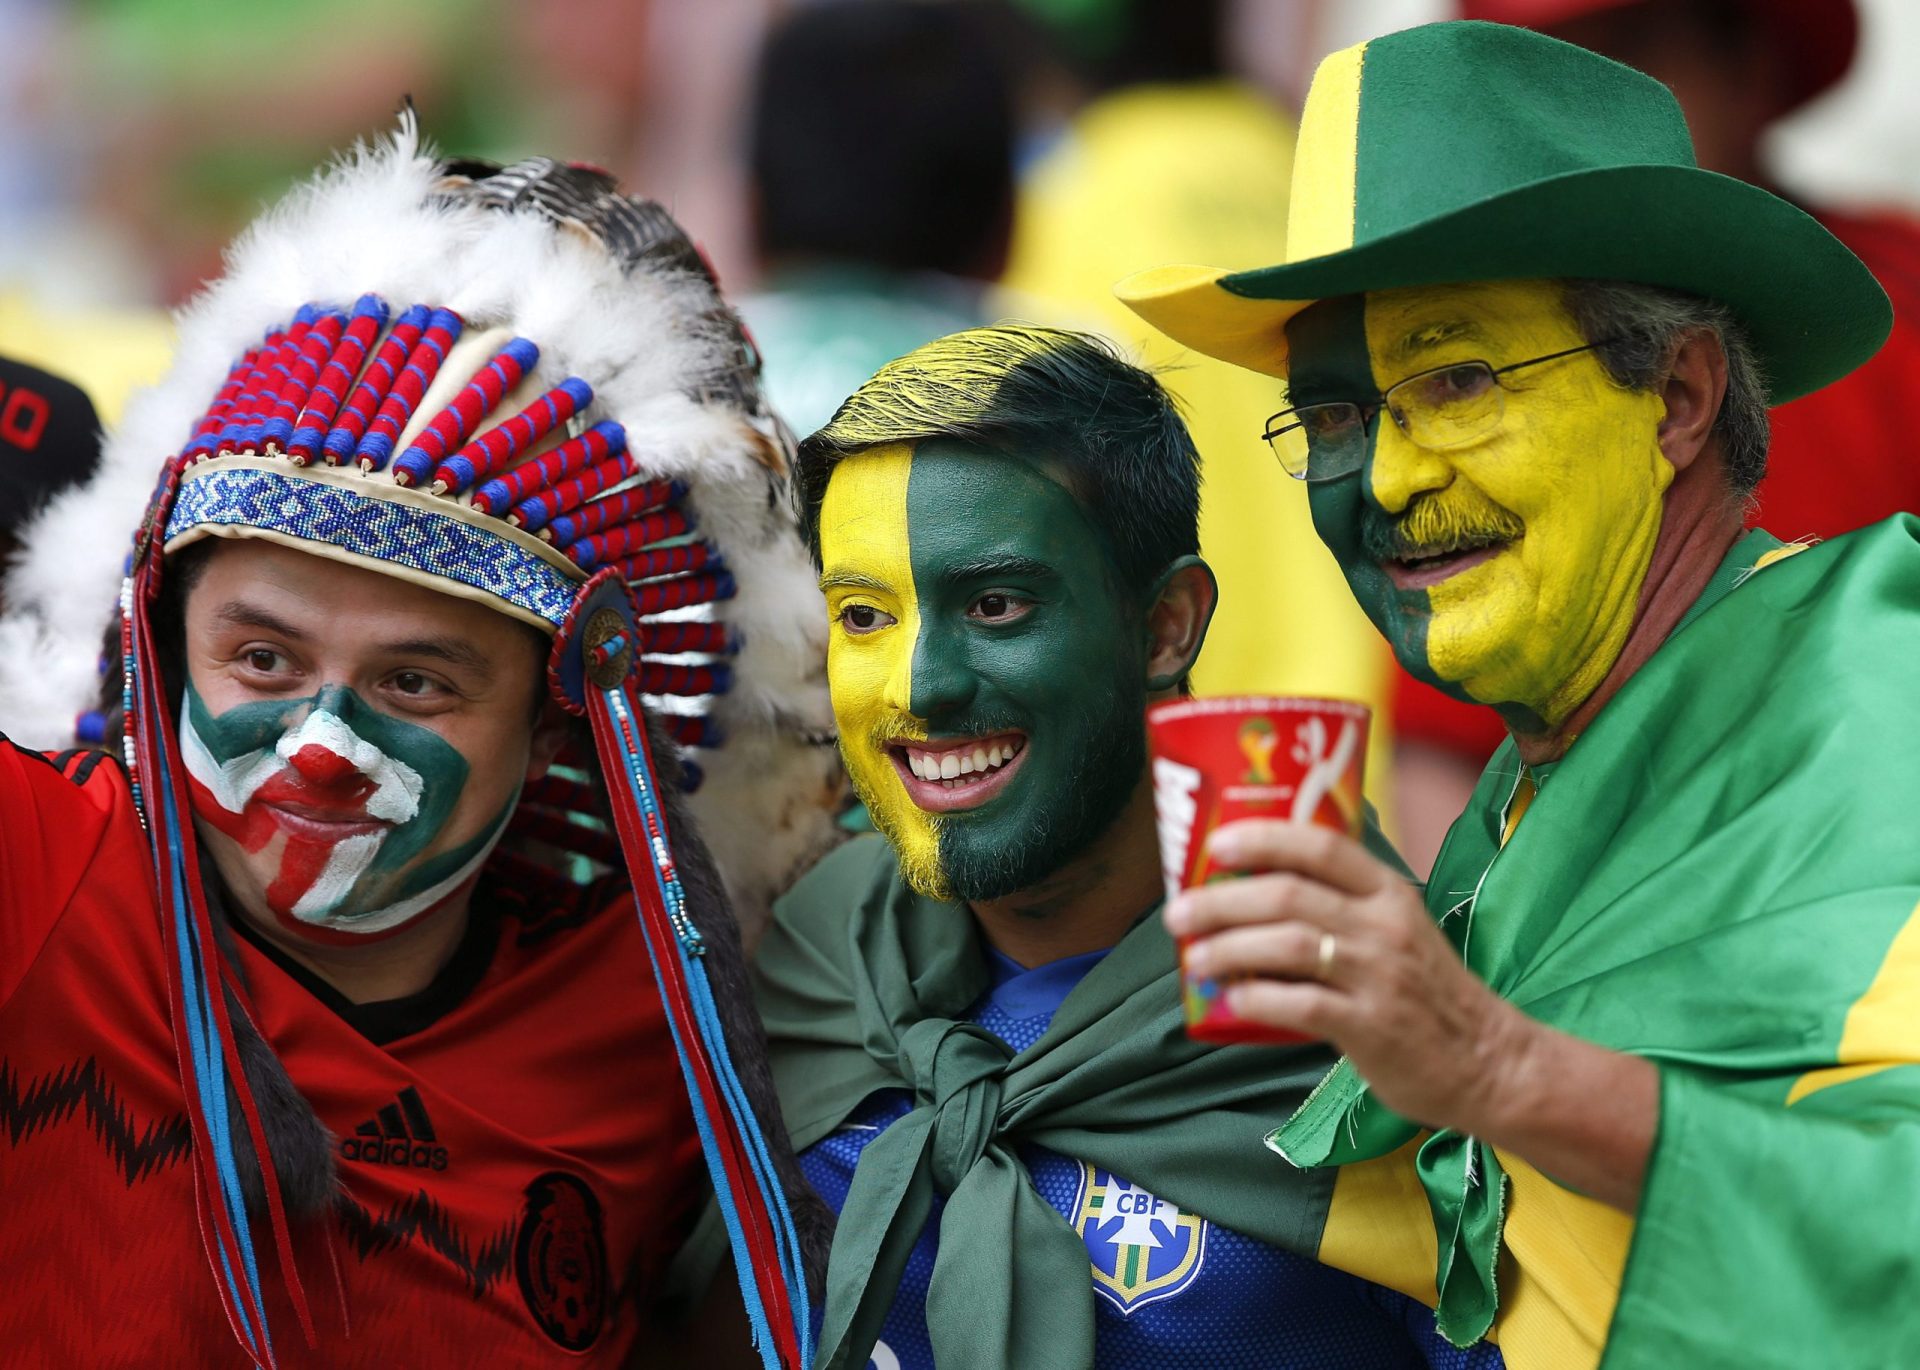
<point x="1646" y="325"/>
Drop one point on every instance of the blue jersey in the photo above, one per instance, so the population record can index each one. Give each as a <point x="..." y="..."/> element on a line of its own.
<point x="1172" y="1291"/>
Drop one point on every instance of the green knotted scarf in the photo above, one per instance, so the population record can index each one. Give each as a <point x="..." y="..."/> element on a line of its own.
<point x="1714" y="877"/>
<point x="863" y="986"/>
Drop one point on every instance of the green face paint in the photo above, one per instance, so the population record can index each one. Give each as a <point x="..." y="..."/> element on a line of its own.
<point x="1506" y="570"/>
<point x="1327" y="347"/>
<point x="988" y="674"/>
<point x="339" y="810"/>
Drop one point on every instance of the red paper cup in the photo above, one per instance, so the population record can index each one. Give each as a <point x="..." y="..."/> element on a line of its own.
<point x="1243" y="756"/>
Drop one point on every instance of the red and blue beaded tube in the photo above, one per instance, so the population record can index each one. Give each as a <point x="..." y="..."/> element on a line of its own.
<point x="366" y="397"/>
<point x="629" y="537"/>
<point x="246" y="404"/>
<point x="314" y="348"/>
<point x="478" y="398"/>
<point x="423" y="364"/>
<point x="658" y="596"/>
<point x="570" y="526"/>
<point x="667" y="561"/>
<point x="331" y="386"/>
<point x="206" y="433"/>
<point x="497" y="446"/>
<point x="664" y="678"/>
<point x="687" y="635"/>
<point x="537" y="509"/>
<point x="279" y="371"/>
<point x="693" y="730"/>
<point x="589" y="449"/>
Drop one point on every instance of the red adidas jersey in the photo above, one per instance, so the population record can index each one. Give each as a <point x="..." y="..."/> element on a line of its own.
<point x="516" y="1173"/>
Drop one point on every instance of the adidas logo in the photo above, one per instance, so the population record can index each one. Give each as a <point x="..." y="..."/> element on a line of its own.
<point x="399" y="1134"/>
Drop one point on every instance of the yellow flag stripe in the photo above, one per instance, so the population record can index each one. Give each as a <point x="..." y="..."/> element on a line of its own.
<point x="1569" y="1256"/>
<point x="1882" y="1028"/>
<point x="1324" y="161"/>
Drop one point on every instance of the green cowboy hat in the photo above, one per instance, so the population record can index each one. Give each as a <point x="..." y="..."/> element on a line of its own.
<point x="1468" y="151"/>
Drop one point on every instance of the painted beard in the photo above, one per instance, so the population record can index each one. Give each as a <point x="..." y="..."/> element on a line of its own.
<point x="340" y="804"/>
<point x="1450" y="522"/>
<point x="1084" y="776"/>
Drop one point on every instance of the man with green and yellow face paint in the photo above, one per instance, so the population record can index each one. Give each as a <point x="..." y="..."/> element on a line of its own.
<point x="975" y="1022"/>
<point x="986" y="678"/>
<point x="1633" y="1084"/>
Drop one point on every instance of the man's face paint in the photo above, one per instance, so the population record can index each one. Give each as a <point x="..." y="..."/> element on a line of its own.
<point x="988" y="673"/>
<point x="340" y="811"/>
<point x="1507" y="571"/>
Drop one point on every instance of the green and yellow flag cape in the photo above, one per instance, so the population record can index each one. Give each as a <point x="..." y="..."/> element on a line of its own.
<point x="864" y="986"/>
<point x="1720" y="876"/>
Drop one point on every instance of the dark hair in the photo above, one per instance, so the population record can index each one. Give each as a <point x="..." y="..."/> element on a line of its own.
<point x="1109" y="429"/>
<point x="883" y="133"/>
<point x="1646" y="325"/>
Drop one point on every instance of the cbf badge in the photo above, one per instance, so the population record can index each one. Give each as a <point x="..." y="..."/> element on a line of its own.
<point x="1144" y="1249"/>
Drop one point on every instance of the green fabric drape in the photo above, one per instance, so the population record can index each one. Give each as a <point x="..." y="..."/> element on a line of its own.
<point x="863" y="984"/>
<point x="1711" y="878"/>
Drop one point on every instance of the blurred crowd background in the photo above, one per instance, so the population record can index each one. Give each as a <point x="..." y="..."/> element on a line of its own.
<point x="869" y="174"/>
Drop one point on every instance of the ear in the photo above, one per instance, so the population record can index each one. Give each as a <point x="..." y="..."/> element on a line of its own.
<point x="1183" y="604"/>
<point x="1696" y="387"/>
<point x="549" y="735"/>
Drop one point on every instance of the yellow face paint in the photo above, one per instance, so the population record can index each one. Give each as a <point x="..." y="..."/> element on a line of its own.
<point x="1576" y="460"/>
<point x="866" y="575"/>
<point x="1568" y="486"/>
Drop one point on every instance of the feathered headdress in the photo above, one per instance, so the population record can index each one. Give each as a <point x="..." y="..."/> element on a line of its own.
<point x="516" y="386"/>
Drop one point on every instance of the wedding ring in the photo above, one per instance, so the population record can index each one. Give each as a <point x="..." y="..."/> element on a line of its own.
<point x="1329" y="946"/>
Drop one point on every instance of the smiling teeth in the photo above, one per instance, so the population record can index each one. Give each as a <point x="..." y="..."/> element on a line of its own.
<point x="950" y="766"/>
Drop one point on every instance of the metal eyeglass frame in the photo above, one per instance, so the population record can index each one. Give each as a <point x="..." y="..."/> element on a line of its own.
<point x="1383" y="400"/>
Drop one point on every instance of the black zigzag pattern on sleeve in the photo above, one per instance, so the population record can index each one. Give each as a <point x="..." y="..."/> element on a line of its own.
<point x="47" y="1101"/>
<point x="419" y="1217"/>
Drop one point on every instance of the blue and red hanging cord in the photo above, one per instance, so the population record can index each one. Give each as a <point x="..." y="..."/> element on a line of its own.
<point x="596" y="655"/>
<point x="211" y="1074"/>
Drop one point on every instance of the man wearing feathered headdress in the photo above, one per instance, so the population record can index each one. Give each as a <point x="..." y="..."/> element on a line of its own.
<point x="375" y="1000"/>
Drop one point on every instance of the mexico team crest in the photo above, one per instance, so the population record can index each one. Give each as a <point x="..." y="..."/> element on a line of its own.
<point x="1143" y="1248"/>
<point x="561" y="1256"/>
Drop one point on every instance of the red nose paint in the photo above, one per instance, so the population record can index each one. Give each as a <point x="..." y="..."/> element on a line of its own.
<point x="328" y="783"/>
<point x="321" y="765"/>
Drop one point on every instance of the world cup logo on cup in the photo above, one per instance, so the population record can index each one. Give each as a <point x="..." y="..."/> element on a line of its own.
<point x="1246" y="756"/>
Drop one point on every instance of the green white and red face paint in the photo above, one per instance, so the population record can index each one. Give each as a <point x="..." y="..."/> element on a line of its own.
<point x="337" y="806"/>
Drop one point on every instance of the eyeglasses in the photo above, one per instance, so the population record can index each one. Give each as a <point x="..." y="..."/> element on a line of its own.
<point x="1447" y="407"/>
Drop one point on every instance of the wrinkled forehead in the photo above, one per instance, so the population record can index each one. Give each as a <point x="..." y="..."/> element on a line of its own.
<point x="1380" y="337"/>
<point x="945" y="503"/>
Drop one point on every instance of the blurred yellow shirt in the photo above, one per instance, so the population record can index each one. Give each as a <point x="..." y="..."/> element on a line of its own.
<point x="108" y="355"/>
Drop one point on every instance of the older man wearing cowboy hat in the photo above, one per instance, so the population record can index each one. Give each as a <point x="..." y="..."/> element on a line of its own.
<point x="1638" y="1082"/>
<point x="1838" y="458"/>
